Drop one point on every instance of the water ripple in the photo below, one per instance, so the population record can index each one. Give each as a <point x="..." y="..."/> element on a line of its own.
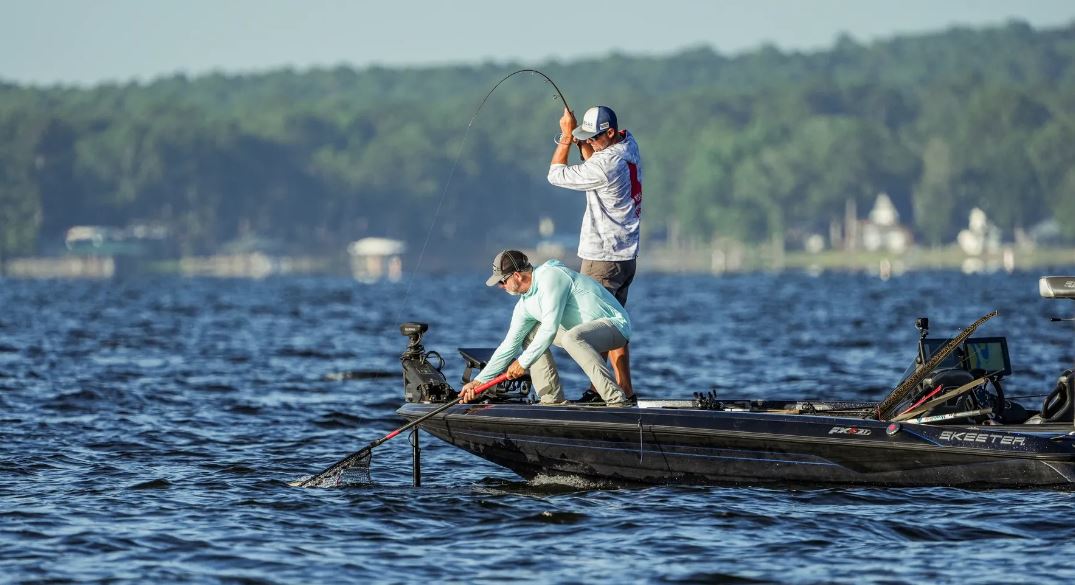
<point x="150" y="427"/>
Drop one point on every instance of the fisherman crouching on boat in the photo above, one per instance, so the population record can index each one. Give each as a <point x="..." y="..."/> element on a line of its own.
<point x="556" y="306"/>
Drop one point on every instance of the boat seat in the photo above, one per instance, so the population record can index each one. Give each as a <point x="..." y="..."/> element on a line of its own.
<point x="476" y="358"/>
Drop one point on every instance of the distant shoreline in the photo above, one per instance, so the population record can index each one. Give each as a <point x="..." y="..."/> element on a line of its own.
<point x="745" y="259"/>
<point x="654" y="259"/>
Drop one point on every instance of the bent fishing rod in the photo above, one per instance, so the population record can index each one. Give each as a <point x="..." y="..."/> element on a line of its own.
<point x="361" y="457"/>
<point x="455" y="164"/>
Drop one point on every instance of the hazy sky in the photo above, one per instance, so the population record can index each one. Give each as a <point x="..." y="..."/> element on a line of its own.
<point x="89" y="41"/>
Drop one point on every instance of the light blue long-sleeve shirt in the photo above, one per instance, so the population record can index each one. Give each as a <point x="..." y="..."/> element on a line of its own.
<point x="558" y="297"/>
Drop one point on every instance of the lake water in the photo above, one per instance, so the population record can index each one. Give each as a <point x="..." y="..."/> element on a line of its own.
<point x="149" y="428"/>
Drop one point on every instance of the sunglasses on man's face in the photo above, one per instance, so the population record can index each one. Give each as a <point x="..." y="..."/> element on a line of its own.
<point x="596" y="137"/>
<point x="505" y="279"/>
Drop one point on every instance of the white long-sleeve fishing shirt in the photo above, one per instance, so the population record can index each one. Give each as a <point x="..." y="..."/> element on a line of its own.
<point x="612" y="180"/>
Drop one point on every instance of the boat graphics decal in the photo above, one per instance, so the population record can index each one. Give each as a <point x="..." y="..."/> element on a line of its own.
<point x="849" y="431"/>
<point x="989" y="438"/>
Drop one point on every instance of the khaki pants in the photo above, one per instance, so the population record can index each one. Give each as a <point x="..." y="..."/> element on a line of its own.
<point x="616" y="276"/>
<point x="584" y="343"/>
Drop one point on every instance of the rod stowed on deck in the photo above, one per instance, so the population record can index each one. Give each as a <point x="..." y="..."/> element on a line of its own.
<point x="362" y="457"/>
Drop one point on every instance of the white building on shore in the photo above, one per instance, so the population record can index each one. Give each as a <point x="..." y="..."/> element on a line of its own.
<point x="374" y="259"/>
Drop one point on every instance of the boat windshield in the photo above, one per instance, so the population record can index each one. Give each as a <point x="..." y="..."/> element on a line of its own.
<point x="907" y="373"/>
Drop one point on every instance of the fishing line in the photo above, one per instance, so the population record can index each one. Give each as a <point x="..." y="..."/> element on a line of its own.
<point x="451" y="175"/>
<point x="443" y="196"/>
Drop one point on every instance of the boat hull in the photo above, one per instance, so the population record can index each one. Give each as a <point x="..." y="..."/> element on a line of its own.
<point x="668" y="445"/>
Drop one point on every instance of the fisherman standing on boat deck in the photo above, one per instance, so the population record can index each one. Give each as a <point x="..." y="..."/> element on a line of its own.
<point x="611" y="176"/>
<point x="556" y="306"/>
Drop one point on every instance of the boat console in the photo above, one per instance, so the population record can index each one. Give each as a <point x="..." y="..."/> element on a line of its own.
<point x="986" y="359"/>
<point x="966" y="386"/>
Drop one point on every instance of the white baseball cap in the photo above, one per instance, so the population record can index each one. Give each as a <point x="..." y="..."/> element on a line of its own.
<point x="595" y="121"/>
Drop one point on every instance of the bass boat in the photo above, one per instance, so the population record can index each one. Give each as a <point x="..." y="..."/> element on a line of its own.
<point x="947" y="424"/>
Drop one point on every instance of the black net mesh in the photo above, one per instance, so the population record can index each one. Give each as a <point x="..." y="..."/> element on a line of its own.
<point x="351" y="471"/>
<point x="357" y="473"/>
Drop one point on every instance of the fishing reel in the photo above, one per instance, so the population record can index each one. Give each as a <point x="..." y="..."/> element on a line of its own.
<point x="707" y="401"/>
<point x="422" y="380"/>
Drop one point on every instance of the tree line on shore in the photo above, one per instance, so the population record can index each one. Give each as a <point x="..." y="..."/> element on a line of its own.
<point x="754" y="147"/>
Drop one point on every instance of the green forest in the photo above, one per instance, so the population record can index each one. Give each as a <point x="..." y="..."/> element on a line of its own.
<point x="761" y="145"/>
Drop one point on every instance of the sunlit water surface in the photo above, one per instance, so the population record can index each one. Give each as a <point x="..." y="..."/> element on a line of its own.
<point x="150" y="427"/>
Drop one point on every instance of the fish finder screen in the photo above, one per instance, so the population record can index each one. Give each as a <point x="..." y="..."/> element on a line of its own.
<point x="977" y="353"/>
<point x="989" y="354"/>
<point x="933" y="345"/>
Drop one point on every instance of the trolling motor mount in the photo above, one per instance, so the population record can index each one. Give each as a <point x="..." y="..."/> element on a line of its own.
<point x="422" y="381"/>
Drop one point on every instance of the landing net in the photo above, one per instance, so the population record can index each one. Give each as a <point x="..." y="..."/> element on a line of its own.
<point x="352" y="471"/>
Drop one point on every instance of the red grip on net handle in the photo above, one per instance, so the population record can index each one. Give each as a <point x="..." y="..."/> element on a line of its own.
<point x="482" y="388"/>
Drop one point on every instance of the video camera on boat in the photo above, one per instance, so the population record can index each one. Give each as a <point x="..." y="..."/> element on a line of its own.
<point x="422" y="381"/>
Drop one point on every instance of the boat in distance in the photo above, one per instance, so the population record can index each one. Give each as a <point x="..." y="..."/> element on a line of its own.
<point x="953" y="427"/>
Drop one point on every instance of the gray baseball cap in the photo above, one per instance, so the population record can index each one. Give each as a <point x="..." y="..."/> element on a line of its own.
<point x="507" y="263"/>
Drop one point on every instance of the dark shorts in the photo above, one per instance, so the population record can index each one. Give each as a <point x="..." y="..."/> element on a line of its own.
<point x="616" y="277"/>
